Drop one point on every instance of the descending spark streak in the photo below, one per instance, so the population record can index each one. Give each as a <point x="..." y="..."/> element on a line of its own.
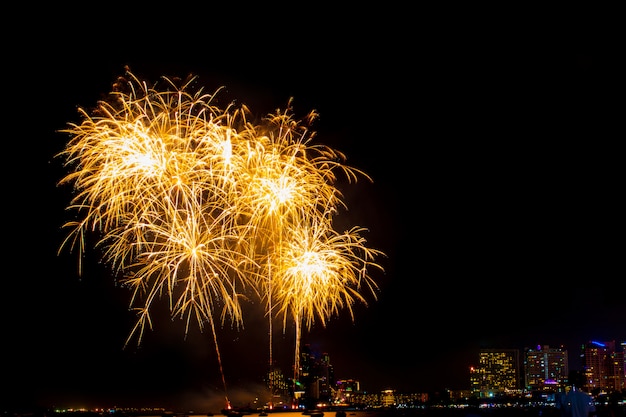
<point x="196" y="203"/>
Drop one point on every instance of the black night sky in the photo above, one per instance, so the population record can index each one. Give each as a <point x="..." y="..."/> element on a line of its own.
<point x="494" y="148"/>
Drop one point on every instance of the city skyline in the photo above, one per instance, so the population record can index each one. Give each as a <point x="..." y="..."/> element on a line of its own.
<point x="495" y="197"/>
<point x="574" y="363"/>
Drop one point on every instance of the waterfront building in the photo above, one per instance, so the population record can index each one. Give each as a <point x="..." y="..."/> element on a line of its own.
<point x="603" y="366"/>
<point x="278" y="386"/>
<point x="497" y="373"/>
<point x="316" y="374"/>
<point x="388" y="398"/>
<point x="545" y="369"/>
<point x="345" y="389"/>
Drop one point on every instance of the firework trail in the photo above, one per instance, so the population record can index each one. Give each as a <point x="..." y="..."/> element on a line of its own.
<point x="196" y="204"/>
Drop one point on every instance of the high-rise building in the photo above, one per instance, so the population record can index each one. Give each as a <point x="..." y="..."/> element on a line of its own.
<point x="316" y="375"/>
<point x="278" y="387"/>
<point x="325" y="377"/>
<point x="497" y="373"/>
<point x="604" y="366"/>
<point x="545" y="368"/>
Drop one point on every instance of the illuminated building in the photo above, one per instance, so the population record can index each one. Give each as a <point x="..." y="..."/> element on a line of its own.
<point x="604" y="366"/>
<point x="388" y="398"/>
<point x="316" y="374"/>
<point x="545" y="368"/>
<point x="346" y="388"/>
<point x="278" y="386"/>
<point x="497" y="373"/>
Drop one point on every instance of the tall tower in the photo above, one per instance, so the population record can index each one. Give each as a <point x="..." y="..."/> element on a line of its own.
<point x="316" y="377"/>
<point x="545" y="369"/>
<point x="604" y="366"/>
<point x="497" y="373"/>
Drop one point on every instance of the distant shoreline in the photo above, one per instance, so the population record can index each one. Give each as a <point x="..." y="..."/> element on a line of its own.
<point x="434" y="411"/>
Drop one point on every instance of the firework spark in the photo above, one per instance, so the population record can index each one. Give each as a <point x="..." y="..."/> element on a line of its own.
<point x="195" y="203"/>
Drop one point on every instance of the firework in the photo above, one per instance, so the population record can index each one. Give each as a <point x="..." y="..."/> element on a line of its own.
<point x="193" y="202"/>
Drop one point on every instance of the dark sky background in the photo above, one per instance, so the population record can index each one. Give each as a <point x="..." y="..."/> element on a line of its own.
<point x="495" y="148"/>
